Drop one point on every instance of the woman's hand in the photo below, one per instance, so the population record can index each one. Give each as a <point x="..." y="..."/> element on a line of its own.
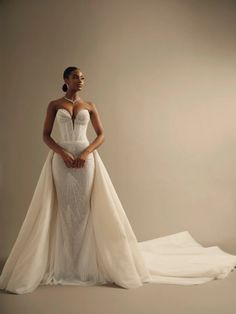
<point x="80" y="160"/>
<point x="68" y="158"/>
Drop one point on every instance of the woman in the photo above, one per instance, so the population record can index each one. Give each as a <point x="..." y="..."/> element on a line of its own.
<point x="76" y="230"/>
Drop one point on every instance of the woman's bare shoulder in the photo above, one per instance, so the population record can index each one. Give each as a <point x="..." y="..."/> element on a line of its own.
<point x="92" y="106"/>
<point x="55" y="103"/>
<point x="58" y="101"/>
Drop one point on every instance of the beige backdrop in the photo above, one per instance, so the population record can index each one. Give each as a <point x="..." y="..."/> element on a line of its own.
<point x="162" y="75"/>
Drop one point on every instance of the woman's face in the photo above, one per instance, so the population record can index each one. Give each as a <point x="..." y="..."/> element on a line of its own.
<point x="76" y="80"/>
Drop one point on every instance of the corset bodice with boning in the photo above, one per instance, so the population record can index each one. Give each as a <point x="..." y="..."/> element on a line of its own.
<point x="73" y="129"/>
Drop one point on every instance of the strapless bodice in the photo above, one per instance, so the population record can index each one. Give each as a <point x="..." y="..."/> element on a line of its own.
<point x="73" y="129"/>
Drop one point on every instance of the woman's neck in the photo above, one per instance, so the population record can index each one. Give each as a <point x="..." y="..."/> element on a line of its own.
<point x="72" y="95"/>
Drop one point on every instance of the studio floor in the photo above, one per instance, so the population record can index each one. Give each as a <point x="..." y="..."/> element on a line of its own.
<point x="214" y="297"/>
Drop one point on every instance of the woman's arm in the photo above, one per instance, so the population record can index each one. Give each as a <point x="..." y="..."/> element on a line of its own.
<point x="68" y="158"/>
<point x="48" y="126"/>
<point x="98" y="127"/>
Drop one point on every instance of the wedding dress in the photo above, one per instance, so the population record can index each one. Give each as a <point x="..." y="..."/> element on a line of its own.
<point x="76" y="232"/>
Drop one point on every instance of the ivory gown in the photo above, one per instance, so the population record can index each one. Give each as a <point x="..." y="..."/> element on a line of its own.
<point x="76" y="232"/>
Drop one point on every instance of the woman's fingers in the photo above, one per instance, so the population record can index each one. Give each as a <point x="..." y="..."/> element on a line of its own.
<point x="75" y="163"/>
<point x="80" y="163"/>
<point x="69" y="162"/>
